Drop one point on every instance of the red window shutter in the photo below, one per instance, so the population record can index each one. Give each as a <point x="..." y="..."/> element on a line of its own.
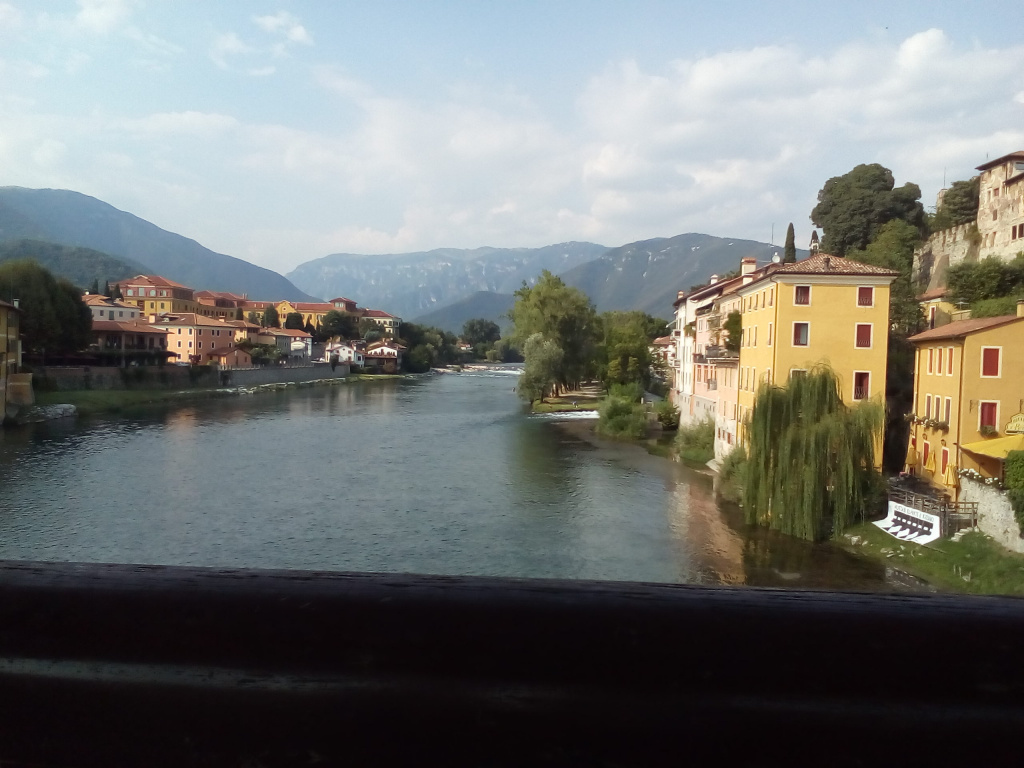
<point x="863" y="335"/>
<point x="988" y="414"/>
<point x="865" y="296"/>
<point x="990" y="362"/>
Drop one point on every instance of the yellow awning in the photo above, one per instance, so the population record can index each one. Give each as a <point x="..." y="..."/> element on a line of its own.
<point x="911" y="461"/>
<point x="997" y="448"/>
<point x="929" y="464"/>
<point x="951" y="478"/>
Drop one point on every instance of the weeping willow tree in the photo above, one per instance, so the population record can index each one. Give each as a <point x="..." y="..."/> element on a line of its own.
<point x="811" y="458"/>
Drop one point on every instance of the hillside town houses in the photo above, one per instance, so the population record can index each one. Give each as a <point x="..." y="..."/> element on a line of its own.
<point x="207" y="327"/>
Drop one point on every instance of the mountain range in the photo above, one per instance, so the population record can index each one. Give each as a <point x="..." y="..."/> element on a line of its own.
<point x="82" y="238"/>
<point x="71" y="218"/>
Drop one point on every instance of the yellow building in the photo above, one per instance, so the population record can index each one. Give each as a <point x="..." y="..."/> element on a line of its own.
<point x="968" y="385"/>
<point x="824" y="309"/>
<point x="156" y="295"/>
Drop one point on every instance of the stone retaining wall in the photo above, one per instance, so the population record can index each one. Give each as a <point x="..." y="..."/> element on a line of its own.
<point x="182" y="377"/>
<point x="995" y="515"/>
<point x="943" y="250"/>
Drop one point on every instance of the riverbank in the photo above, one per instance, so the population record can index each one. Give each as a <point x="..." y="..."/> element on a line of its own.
<point x="973" y="564"/>
<point x="89" y="402"/>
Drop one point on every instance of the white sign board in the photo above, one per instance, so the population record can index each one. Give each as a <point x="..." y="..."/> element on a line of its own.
<point x="909" y="524"/>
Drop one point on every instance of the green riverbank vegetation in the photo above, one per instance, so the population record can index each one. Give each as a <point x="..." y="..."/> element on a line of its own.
<point x="975" y="564"/>
<point x="695" y="443"/>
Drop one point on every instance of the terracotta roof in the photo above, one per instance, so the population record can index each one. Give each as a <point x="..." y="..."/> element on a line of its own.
<point x="155" y="280"/>
<point x="826" y="264"/>
<point x="126" y="327"/>
<point x="219" y="295"/>
<point x="311" y="306"/>
<point x="226" y="351"/>
<point x="962" y="328"/>
<point x="934" y="293"/>
<point x="289" y="332"/>
<point x="189" y="318"/>
<point x="8" y="306"/>
<point x="343" y="299"/>
<point x="376" y="313"/>
<point x="240" y="324"/>
<point x="664" y="341"/>
<point x="391" y="344"/>
<point x="1000" y="160"/>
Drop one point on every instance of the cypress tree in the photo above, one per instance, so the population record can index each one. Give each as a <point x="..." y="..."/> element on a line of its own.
<point x="811" y="460"/>
<point x="95" y="287"/>
<point x="790" y="252"/>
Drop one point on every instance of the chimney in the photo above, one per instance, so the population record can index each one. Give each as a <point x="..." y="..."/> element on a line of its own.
<point x="748" y="266"/>
<point x="680" y="295"/>
<point x="713" y="280"/>
<point x="152" y="318"/>
<point x="1020" y="308"/>
<point x="16" y="303"/>
<point x="828" y="263"/>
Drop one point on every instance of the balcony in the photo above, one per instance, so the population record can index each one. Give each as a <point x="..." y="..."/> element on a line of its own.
<point x="699" y="359"/>
<point x="720" y="353"/>
<point x="712" y="383"/>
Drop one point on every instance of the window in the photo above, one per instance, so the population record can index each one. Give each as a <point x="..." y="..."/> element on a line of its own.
<point x="990" y="362"/>
<point x="939" y="367"/>
<point x="769" y="334"/>
<point x="771" y="297"/>
<point x="861" y="385"/>
<point x="949" y="409"/>
<point x="797" y="373"/>
<point x="801" y="334"/>
<point x="927" y="406"/>
<point x="931" y="361"/>
<point x="865" y="296"/>
<point x="863" y="335"/>
<point x="802" y="295"/>
<point x="949" y="361"/>
<point x="925" y="450"/>
<point x="945" y="461"/>
<point x="988" y="414"/>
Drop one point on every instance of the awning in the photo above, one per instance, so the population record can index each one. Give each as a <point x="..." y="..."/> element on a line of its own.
<point x="911" y="461"/>
<point x="997" y="448"/>
<point x="950" y="477"/>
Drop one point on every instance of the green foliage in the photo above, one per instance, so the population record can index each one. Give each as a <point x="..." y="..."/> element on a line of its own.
<point x="270" y="318"/>
<point x="617" y="417"/>
<point x="54" y="319"/>
<point x="632" y="392"/>
<point x="1005" y="305"/>
<point x="959" y="205"/>
<point x="893" y="248"/>
<point x="989" y="278"/>
<point x="428" y="347"/>
<point x="293" y="321"/>
<point x="565" y="317"/>
<point x="1013" y="470"/>
<point x="627" y="346"/>
<point x="479" y="330"/>
<point x="504" y="352"/>
<point x="852" y="208"/>
<point x="338" y="324"/>
<point x="95" y="287"/>
<point x="811" y="458"/>
<point x="731" y="475"/>
<point x="544" y="364"/>
<point x="667" y="413"/>
<point x="733" y="327"/>
<point x="253" y="318"/>
<point x="696" y="442"/>
<point x="789" y="254"/>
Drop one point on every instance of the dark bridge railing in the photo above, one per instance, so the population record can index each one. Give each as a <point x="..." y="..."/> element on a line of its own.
<point x="143" y="665"/>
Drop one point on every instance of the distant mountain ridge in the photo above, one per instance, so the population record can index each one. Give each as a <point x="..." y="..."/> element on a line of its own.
<point x="414" y="284"/>
<point x="647" y="274"/>
<point x="485" y="304"/>
<point x="73" y="219"/>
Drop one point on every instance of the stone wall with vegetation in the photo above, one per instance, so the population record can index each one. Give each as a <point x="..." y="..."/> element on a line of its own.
<point x="178" y="377"/>
<point x="995" y="514"/>
<point x="942" y="250"/>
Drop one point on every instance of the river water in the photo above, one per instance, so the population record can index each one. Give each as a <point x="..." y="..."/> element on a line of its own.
<point x="441" y="474"/>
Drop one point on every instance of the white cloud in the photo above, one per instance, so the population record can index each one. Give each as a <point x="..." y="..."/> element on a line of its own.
<point x="103" y="16"/>
<point x="228" y="45"/>
<point x="185" y="123"/>
<point x="284" y="24"/>
<point x="11" y="18"/>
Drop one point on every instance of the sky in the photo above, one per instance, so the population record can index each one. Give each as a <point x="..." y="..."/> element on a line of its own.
<point x="280" y="132"/>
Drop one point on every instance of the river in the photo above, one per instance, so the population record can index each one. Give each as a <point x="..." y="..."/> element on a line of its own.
<point x="440" y="474"/>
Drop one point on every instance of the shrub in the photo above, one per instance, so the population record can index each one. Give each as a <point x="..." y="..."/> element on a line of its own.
<point x="622" y="418"/>
<point x="1006" y="305"/>
<point x="668" y="414"/>
<point x="696" y="442"/>
<point x="732" y="475"/>
<point x="631" y="392"/>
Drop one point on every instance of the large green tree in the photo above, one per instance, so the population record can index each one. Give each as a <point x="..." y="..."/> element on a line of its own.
<point x="544" y="362"/>
<point x="853" y="207"/>
<point x="959" y="204"/>
<point x="54" y="318"/>
<point x="893" y="248"/>
<point x="811" y="467"/>
<point x="427" y="347"/>
<point x="480" y="330"/>
<point x="340" y="324"/>
<point x="565" y="317"/>
<point x="627" y="344"/>
<point x="271" y="319"/>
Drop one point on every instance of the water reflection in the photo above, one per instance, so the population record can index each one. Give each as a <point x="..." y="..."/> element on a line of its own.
<point x="439" y="475"/>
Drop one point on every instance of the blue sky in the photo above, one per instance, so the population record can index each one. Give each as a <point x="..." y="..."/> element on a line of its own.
<point x="281" y="132"/>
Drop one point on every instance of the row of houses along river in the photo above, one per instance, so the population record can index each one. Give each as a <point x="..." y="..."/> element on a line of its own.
<point x="441" y="474"/>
